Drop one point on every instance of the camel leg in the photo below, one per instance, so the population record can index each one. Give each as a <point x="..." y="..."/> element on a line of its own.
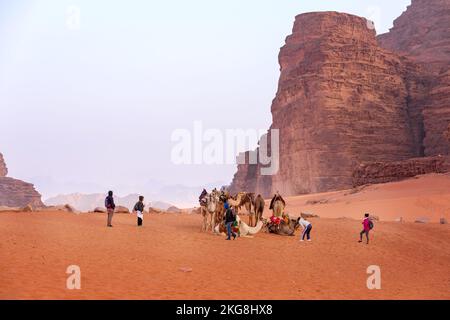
<point x="203" y="220"/>
<point x="213" y="221"/>
<point x="203" y="228"/>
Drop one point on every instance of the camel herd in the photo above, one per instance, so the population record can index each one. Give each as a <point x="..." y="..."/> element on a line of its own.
<point x="213" y="211"/>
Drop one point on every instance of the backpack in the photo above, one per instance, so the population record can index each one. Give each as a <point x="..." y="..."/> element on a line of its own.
<point x="371" y="225"/>
<point x="107" y="203"/>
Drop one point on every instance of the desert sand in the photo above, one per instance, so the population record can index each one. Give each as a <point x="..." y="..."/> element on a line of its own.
<point x="169" y="258"/>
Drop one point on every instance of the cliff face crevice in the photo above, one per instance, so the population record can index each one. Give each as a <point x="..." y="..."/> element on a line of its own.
<point x="346" y="97"/>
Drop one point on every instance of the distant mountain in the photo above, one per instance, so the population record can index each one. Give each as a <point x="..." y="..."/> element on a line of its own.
<point x="157" y="195"/>
<point x="88" y="202"/>
<point x="160" y="205"/>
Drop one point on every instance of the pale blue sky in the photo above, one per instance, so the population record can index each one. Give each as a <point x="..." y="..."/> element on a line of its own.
<point x="95" y="107"/>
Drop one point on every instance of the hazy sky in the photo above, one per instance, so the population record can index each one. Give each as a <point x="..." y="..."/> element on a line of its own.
<point x="91" y="103"/>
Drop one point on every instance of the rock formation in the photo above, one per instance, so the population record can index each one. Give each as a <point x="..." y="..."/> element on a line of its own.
<point x="345" y="98"/>
<point x="382" y="172"/>
<point x="3" y="168"/>
<point x="17" y="193"/>
<point x="422" y="35"/>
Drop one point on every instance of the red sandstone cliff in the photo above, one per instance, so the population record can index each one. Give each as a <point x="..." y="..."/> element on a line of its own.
<point x="16" y="193"/>
<point x="344" y="100"/>
<point x="382" y="172"/>
<point x="422" y="35"/>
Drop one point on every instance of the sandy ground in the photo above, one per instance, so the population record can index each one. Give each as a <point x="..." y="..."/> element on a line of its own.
<point x="125" y="262"/>
<point x="424" y="196"/>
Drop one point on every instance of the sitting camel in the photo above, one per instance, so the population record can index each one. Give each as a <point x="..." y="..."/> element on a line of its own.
<point x="277" y="205"/>
<point x="244" y="229"/>
<point x="284" y="228"/>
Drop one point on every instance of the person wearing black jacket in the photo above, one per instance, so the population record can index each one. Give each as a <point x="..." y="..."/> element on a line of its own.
<point x="230" y="218"/>
<point x="110" y="206"/>
<point x="139" y="209"/>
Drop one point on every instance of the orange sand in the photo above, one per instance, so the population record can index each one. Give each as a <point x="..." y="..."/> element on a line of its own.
<point x="424" y="196"/>
<point x="130" y="263"/>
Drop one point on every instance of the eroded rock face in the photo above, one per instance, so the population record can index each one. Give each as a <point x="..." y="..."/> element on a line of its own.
<point x="3" y="168"/>
<point x="382" y="172"/>
<point x="341" y="101"/>
<point x="17" y="193"/>
<point x="346" y="97"/>
<point x="436" y="116"/>
<point x="422" y="33"/>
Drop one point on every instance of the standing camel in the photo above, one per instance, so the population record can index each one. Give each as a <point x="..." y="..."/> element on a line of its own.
<point x="277" y="205"/>
<point x="212" y="201"/>
<point x="220" y="209"/>
<point x="236" y="201"/>
<point x="259" y="205"/>
<point x="247" y="202"/>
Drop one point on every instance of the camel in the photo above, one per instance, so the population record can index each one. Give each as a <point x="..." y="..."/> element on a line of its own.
<point x="212" y="201"/>
<point x="258" y="205"/>
<point x="277" y="205"/>
<point x="283" y="229"/>
<point x="247" y="202"/>
<point x="242" y="199"/>
<point x="236" y="202"/>
<point x="244" y="229"/>
<point x="220" y="209"/>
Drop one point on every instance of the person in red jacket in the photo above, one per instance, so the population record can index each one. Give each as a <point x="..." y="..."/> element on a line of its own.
<point x="366" y="228"/>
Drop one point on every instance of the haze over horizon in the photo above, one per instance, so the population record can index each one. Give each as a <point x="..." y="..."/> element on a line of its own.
<point x="90" y="104"/>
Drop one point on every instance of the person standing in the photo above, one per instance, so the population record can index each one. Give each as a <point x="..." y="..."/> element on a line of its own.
<point x="139" y="209"/>
<point x="230" y="218"/>
<point x="307" y="226"/>
<point x="110" y="206"/>
<point x="367" y="225"/>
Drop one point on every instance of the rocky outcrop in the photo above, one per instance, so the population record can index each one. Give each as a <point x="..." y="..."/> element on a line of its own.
<point x="3" y="168"/>
<point x="346" y="97"/>
<point x="382" y="172"/>
<point x="421" y="33"/>
<point x="121" y="209"/>
<point x="341" y="101"/>
<point x="436" y="116"/>
<point x="16" y="193"/>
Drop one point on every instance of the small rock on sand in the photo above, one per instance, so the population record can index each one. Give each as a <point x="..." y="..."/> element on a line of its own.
<point x="443" y="221"/>
<point x="100" y="210"/>
<point x="185" y="269"/>
<point x="121" y="209"/>
<point x="306" y="215"/>
<point x="421" y="220"/>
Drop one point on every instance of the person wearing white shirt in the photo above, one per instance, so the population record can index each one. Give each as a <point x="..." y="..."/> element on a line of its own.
<point x="307" y="226"/>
